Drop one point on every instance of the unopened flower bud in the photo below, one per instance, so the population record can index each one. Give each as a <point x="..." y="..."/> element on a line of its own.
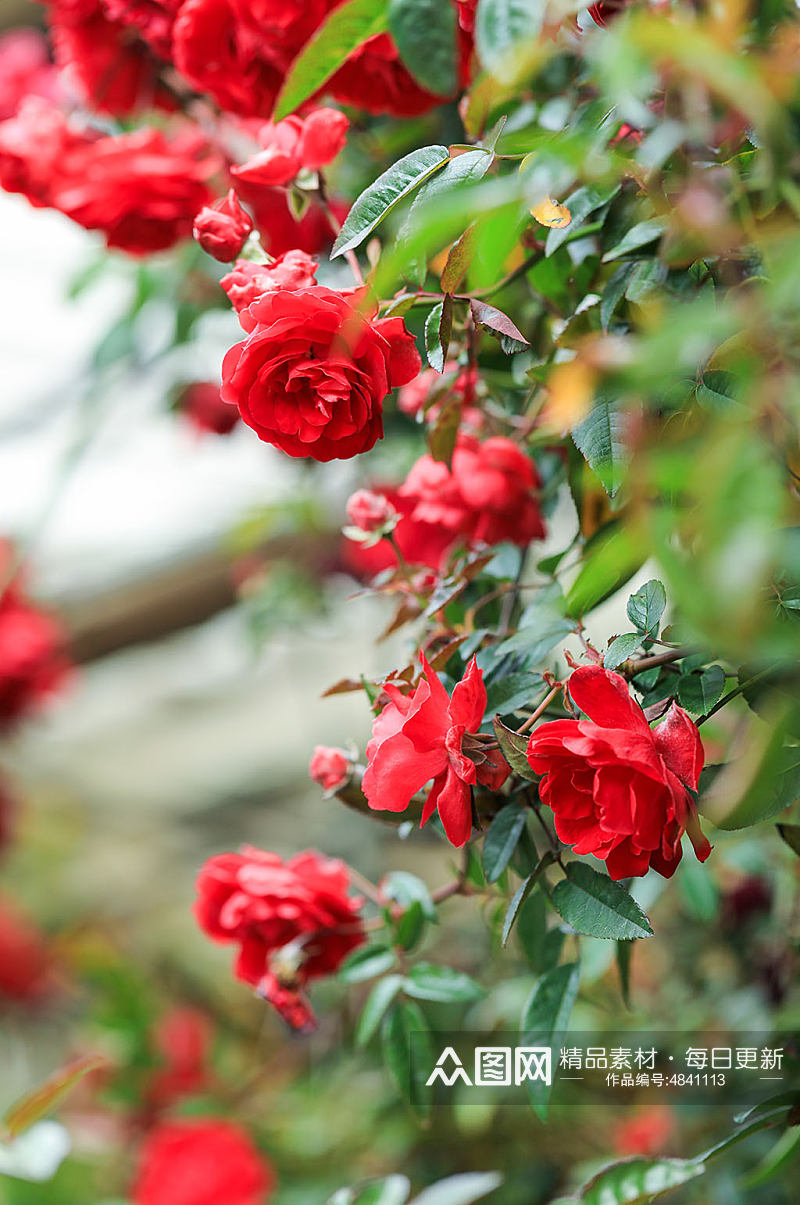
<point x="222" y="229"/>
<point x="370" y="512"/>
<point x="329" y="767"/>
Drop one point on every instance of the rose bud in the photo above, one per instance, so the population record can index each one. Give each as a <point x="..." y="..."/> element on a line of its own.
<point x="370" y="512"/>
<point x="329" y="767"/>
<point x="222" y="229"/>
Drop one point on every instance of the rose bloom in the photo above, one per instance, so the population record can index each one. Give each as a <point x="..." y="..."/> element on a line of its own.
<point x="282" y="26"/>
<point x="329" y="767"/>
<point x="33" y="661"/>
<point x="152" y="20"/>
<point x="294" y="144"/>
<point x="112" y="70"/>
<point x="455" y="382"/>
<point x="34" y="145"/>
<point x="27" y="967"/>
<point x="220" y="55"/>
<point x="202" y="405"/>
<point x="25" y="70"/>
<point x="619" y="789"/>
<point x="418" y="737"/>
<point x="139" y="189"/>
<point x="488" y="496"/>
<point x="201" y="1161"/>
<point x="292" y="921"/>
<point x="369" y="511"/>
<point x="649" y="1132"/>
<point x="312" y="375"/>
<point x="246" y="281"/>
<point x="222" y="229"/>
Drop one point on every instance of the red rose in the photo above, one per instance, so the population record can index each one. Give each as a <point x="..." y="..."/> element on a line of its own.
<point x="217" y="54"/>
<point x="419" y="543"/>
<point x="294" y="144"/>
<point x="34" y="144"/>
<point x="374" y="79"/>
<point x="33" y="662"/>
<point x="221" y="229"/>
<point x="25" y="70"/>
<point x="27" y="967"/>
<point x="151" y="19"/>
<point x="312" y="375"/>
<point x="206" y="411"/>
<point x="418" y="737"/>
<point x="488" y="496"/>
<point x="369" y="511"/>
<point x="282" y="27"/>
<point x="139" y="189"/>
<point x="112" y="70"/>
<point x="246" y="281"/>
<point x="329" y="767"/>
<point x="201" y="1161"/>
<point x="293" y="921"/>
<point x="431" y="391"/>
<point x="619" y="789"/>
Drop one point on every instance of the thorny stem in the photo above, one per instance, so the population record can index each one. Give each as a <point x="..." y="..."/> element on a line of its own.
<point x="636" y="667"/>
<point x="369" y="889"/>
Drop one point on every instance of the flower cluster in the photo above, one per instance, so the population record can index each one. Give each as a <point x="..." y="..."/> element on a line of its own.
<point x="489" y="494"/>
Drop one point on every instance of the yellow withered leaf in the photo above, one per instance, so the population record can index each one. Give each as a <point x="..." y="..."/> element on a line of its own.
<point x="550" y="213"/>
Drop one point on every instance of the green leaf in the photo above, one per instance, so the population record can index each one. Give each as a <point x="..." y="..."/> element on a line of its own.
<point x="638" y="1181"/>
<point x="594" y="904"/>
<point x="48" y="1095"/>
<point x="509" y="693"/>
<point x="513" y="747"/>
<point x="638" y="236"/>
<point x="499" y="324"/>
<point x="611" y="558"/>
<point x="790" y="833"/>
<point x="393" y="1190"/>
<point x="438" y="329"/>
<point x="646" y="607"/>
<point x="384" y="194"/>
<point x="620" y="649"/>
<point x="441" y="984"/>
<point x="501" y="840"/>
<point x="457" y="172"/>
<point x="404" y="1020"/>
<point x="546" y="1015"/>
<point x="700" y="690"/>
<point x="614" y="292"/>
<point x="379" y="999"/>
<point x="425" y="33"/>
<point x="459" y="258"/>
<point x="462" y="1189"/>
<point x="539" y="633"/>
<point x="624" y="952"/>
<point x="366" y="963"/>
<point x="600" y="439"/>
<point x="347" y="28"/>
<point x="580" y="204"/>
<point x="410" y="927"/>
<point x="501" y="26"/>
<point x="522" y="893"/>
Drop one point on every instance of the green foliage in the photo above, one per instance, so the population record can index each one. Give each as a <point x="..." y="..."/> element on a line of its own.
<point x="346" y="28"/>
<point x="594" y="904"/>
